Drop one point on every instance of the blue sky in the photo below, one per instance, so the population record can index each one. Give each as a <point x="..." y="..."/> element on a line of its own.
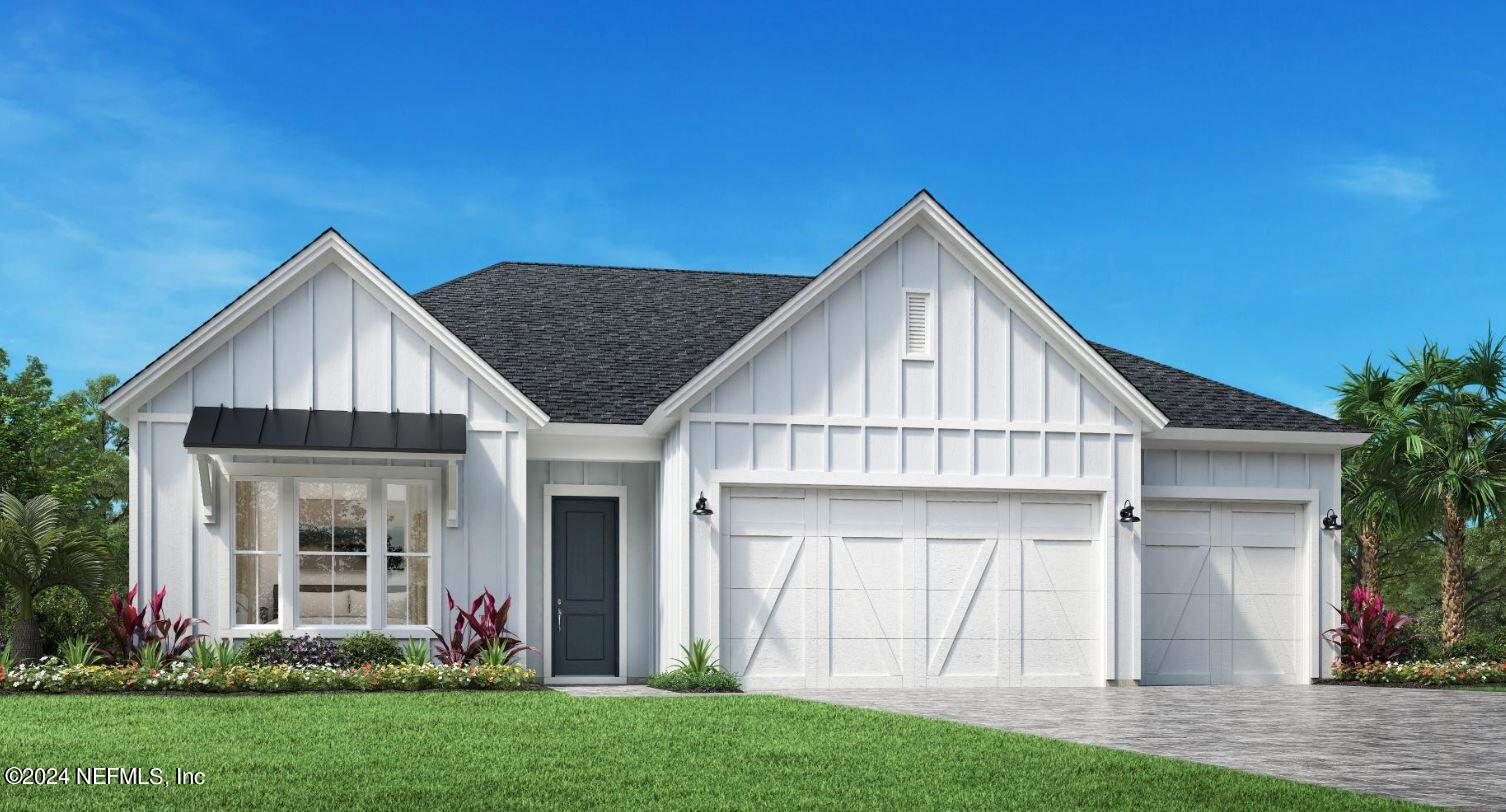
<point x="1257" y="194"/>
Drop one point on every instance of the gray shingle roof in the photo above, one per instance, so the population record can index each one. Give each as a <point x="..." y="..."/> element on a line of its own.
<point x="593" y="344"/>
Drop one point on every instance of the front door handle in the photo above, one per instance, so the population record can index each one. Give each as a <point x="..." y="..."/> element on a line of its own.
<point x="559" y="615"/>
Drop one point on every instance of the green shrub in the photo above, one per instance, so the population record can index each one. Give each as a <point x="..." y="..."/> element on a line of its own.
<point x="1489" y="646"/>
<point x="370" y="647"/>
<point x="262" y="648"/>
<point x="63" y="614"/>
<point x="682" y="681"/>
<point x="51" y="675"/>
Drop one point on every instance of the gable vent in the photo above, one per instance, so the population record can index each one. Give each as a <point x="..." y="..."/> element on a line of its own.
<point x="917" y="324"/>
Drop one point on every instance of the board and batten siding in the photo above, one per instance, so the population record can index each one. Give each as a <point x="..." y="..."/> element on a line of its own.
<point x="329" y="344"/>
<point x="835" y="401"/>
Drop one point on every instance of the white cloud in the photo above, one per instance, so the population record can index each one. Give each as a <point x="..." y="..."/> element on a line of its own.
<point x="1385" y="177"/>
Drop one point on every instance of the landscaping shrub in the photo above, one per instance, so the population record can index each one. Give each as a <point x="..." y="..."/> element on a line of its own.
<point x="63" y="614"/>
<point x="305" y="650"/>
<point x="1424" y="672"/>
<point x="370" y="647"/>
<point x="698" y="671"/>
<point x="685" y="682"/>
<point x="51" y="675"/>
<point x="1481" y="646"/>
<point x="135" y="629"/>
<point x="1368" y="632"/>
<point x="483" y="627"/>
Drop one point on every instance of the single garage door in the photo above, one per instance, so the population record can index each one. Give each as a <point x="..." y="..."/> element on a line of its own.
<point x="1223" y="594"/>
<point x="824" y="588"/>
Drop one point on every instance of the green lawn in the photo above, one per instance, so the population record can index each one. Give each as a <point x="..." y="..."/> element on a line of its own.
<point x="542" y="749"/>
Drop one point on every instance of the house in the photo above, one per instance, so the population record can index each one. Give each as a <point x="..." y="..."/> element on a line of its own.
<point x="907" y="470"/>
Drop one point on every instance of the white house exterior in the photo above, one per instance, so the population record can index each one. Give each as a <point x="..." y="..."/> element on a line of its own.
<point x="914" y="471"/>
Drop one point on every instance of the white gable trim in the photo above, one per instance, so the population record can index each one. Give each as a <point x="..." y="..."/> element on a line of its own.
<point x="328" y="248"/>
<point x="922" y="210"/>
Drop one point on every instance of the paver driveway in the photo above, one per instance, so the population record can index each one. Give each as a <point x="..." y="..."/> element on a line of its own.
<point x="1440" y="747"/>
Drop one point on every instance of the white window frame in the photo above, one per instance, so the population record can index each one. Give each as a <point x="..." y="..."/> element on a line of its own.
<point x="376" y="479"/>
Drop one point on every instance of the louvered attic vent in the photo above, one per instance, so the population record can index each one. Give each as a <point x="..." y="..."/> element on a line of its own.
<point x="918" y="324"/>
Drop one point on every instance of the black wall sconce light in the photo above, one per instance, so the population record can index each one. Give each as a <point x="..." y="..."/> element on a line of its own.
<point x="1127" y="513"/>
<point x="1331" y="521"/>
<point x="701" y="508"/>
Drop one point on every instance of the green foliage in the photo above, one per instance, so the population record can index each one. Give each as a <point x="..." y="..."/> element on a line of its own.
<point x="260" y="648"/>
<point x="207" y="654"/>
<point x="496" y="654"/>
<point x="682" y="681"/>
<point x="417" y="652"/>
<point x="370" y="647"/>
<point x="149" y="655"/>
<point x="1478" y="645"/>
<point x="38" y="553"/>
<point x="53" y="676"/>
<point x="699" y="658"/>
<point x="79" y="651"/>
<point x="7" y="658"/>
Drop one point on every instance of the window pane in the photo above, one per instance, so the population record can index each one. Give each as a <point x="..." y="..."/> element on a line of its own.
<point x="408" y="590"/>
<point x="315" y="515"/>
<point x="255" y="589"/>
<point x="349" y="512"/>
<point x="349" y="596"/>
<point x="407" y="519"/>
<point x="315" y="589"/>
<point x="256" y="515"/>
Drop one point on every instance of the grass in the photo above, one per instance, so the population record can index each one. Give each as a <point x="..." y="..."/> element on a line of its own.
<point x="1491" y="687"/>
<point x="542" y="749"/>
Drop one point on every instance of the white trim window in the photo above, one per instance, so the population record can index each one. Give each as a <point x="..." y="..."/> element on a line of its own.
<point x="257" y="552"/>
<point x="332" y="555"/>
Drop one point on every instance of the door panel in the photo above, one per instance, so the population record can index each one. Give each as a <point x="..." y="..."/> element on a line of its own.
<point x="1222" y="593"/>
<point x="584" y="588"/>
<point x="871" y="587"/>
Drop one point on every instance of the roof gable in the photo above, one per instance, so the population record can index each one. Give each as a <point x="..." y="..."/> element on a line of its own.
<point x="329" y="250"/>
<point x="922" y="211"/>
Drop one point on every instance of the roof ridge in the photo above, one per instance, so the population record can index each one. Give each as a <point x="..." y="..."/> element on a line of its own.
<point x="506" y="263"/>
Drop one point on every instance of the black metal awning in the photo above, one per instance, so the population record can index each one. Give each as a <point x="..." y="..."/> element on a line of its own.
<point x="224" y="427"/>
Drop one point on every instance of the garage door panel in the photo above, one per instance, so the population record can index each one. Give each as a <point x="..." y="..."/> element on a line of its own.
<point x="954" y="563"/>
<point x="1065" y="615"/>
<point x="1047" y="519"/>
<point x="952" y="613"/>
<point x="1242" y="615"/>
<point x="1265" y="616"/>
<point x="1178" y="662"/>
<point x="1175" y="616"/>
<point x="762" y="562"/>
<point x="970" y="657"/>
<point x="1052" y="565"/>
<point x="867" y="563"/>
<point x="1269" y="659"/>
<point x="1057" y="658"/>
<point x="913" y="588"/>
<point x="876" y="613"/>
<point x="1175" y="570"/>
<point x="778" y="513"/>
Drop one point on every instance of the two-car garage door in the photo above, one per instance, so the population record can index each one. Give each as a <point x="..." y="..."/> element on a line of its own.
<point x="1223" y="593"/>
<point x="824" y="588"/>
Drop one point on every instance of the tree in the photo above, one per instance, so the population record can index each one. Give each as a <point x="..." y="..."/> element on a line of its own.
<point x="1443" y="418"/>
<point x="1371" y="472"/>
<point x="38" y="553"/>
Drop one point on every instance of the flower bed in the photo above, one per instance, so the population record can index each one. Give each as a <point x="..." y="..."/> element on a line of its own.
<point x="1461" y="671"/>
<point x="52" y="676"/>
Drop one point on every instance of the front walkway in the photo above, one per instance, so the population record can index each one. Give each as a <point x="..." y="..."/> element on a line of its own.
<point x="1440" y="747"/>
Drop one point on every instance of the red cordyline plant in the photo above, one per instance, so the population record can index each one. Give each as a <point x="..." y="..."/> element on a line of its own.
<point x="134" y="628"/>
<point x="483" y="629"/>
<point x="1369" y="632"/>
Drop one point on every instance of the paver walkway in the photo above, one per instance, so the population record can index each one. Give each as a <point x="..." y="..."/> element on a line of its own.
<point x="1440" y="747"/>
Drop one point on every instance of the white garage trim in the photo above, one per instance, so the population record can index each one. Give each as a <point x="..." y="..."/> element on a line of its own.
<point x="618" y="492"/>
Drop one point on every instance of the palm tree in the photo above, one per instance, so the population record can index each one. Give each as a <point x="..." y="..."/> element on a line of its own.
<point x="1372" y="487"/>
<point x="36" y="554"/>
<point x="1443" y="419"/>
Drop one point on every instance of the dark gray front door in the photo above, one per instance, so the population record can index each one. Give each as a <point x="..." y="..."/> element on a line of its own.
<point x="584" y="592"/>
